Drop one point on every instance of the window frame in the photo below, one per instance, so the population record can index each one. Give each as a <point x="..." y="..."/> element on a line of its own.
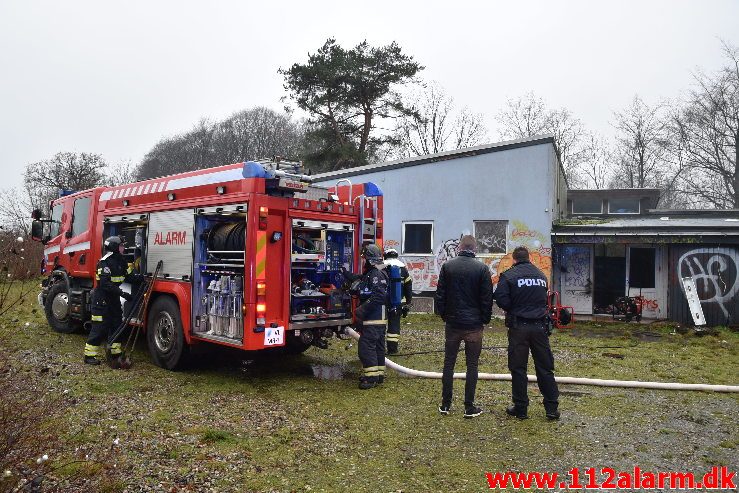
<point x="573" y="212"/>
<point x="638" y="208"/>
<point x="474" y="234"/>
<point x="56" y="223"/>
<point x="74" y="215"/>
<point x="402" y="239"/>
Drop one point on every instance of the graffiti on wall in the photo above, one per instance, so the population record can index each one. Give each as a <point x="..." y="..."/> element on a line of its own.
<point x="423" y="273"/>
<point x="424" y="270"/>
<point x="577" y="267"/>
<point x="447" y="250"/>
<point x="491" y="236"/>
<point x="715" y="272"/>
<point x="522" y="235"/>
<point x="499" y="265"/>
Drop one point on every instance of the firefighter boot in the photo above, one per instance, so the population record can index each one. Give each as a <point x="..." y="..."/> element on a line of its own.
<point x="366" y="383"/>
<point x="91" y="353"/>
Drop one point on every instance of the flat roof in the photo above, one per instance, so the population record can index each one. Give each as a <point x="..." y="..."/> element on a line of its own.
<point x="651" y="225"/>
<point x="439" y="156"/>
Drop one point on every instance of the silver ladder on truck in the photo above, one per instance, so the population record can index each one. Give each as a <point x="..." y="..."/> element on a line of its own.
<point x="367" y="224"/>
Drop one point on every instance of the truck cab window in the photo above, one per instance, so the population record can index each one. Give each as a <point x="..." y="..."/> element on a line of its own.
<point x="81" y="215"/>
<point x="56" y="218"/>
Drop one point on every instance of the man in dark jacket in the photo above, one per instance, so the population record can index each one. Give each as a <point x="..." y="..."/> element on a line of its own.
<point x="371" y="316"/>
<point x="522" y="293"/>
<point x="464" y="300"/>
<point x="406" y="290"/>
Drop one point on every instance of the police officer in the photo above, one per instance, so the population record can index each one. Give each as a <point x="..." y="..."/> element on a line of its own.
<point x="371" y="318"/>
<point x="393" y="318"/>
<point x="522" y="293"/>
<point x="107" y="314"/>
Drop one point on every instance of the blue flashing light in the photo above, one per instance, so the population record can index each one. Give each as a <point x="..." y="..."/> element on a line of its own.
<point x="253" y="170"/>
<point x="372" y="190"/>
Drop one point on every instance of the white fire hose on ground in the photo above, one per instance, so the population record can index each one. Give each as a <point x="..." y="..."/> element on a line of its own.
<point x="564" y="380"/>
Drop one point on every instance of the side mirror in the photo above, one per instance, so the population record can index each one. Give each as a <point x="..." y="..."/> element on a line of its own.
<point x="37" y="231"/>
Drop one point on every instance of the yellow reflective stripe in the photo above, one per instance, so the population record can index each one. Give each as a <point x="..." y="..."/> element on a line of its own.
<point x="91" y="350"/>
<point x="374" y="322"/>
<point x="97" y="318"/>
<point x="115" y="348"/>
<point x="130" y="268"/>
<point x="408" y="279"/>
<point x="118" y="278"/>
<point x="371" y="368"/>
<point x="393" y="337"/>
<point x="97" y="277"/>
<point x="373" y="373"/>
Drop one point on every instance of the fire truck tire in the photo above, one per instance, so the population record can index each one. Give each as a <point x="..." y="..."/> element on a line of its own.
<point x="164" y="334"/>
<point x="56" y="308"/>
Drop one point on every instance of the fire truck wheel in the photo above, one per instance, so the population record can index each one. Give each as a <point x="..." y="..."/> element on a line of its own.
<point x="56" y="308"/>
<point x="164" y="334"/>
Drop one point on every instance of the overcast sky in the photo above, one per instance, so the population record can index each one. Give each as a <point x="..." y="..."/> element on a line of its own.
<point x="114" y="77"/>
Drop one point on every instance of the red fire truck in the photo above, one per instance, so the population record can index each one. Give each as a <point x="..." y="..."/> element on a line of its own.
<point x="251" y="255"/>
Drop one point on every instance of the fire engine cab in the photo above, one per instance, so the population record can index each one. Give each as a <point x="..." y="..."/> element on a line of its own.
<point x="251" y="255"/>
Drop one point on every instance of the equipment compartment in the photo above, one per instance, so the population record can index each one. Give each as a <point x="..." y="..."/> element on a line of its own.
<point x="218" y="297"/>
<point x="318" y="252"/>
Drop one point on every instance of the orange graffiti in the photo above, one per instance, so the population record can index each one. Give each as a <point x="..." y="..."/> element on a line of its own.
<point x="543" y="262"/>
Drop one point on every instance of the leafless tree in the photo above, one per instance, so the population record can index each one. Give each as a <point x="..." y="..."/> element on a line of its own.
<point x="64" y="171"/>
<point x="529" y="115"/>
<point x="44" y="180"/>
<point x="434" y="126"/>
<point x="642" y="145"/>
<point x="708" y="129"/>
<point x="255" y="133"/>
<point x="120" y="174"/>
<point x="16" y="205"/>
<point x="593" y="167"/>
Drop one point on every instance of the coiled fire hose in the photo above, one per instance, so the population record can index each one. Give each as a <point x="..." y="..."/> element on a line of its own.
<point x="634" y="384"/>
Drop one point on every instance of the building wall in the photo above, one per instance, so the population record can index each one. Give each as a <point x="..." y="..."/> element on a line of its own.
<point x="523" y="185"/>
<point x="715" y="270"/>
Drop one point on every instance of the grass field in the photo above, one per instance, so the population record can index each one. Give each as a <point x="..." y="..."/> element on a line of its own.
<point x="301" y="424"/>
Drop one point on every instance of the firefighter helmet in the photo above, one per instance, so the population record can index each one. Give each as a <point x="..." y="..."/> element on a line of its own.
<point x="391" y="253"/>
<point x="112" y="243"/>
<point x="372" y="254"/>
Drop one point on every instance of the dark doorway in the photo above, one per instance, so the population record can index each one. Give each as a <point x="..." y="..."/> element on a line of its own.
<point x="609" y="266"/>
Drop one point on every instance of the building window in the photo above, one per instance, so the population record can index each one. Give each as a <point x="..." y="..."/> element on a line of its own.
<point x="623" y="206"/>
<point x="418" y="238"/>
<point x="81" y="215"/>
<point x="491" y="236"/>
<point x="641" y="267"/>
<point x="587" y="205"/>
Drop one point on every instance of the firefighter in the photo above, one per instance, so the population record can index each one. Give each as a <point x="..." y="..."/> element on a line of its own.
<point x="371" y="318"/>
<point x="522" y="293"/>
<point x="111" y="271"/>
<point x="394" y="314"/>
